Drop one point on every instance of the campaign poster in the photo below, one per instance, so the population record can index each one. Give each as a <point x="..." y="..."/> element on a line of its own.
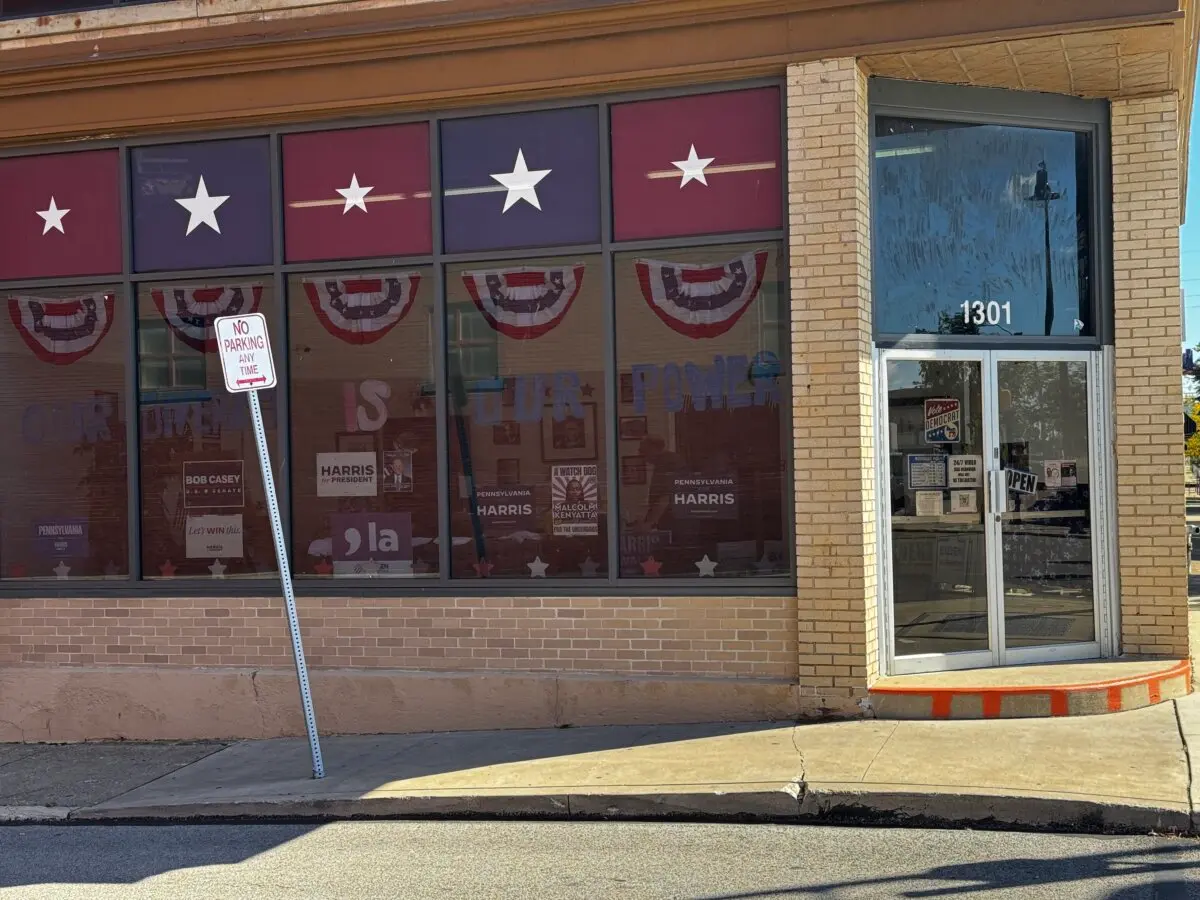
<point x="372" y="543"/>
<point x="575" y="500"/>
<point x="638" y="547"/>
<point x="503" y="509"/>
<point x="214" y="537"/>
<point x="347" y="474"/>
<point x="214" y="484"/>
<point x="926" y="470"/>
<point x="1061" y="473"/>
<point x="61" y="539"/>
<point x="966" y="471"/>
<point x="398" y="471"/>
<point x="704" y="496"/>
<point x="943" y="421"/>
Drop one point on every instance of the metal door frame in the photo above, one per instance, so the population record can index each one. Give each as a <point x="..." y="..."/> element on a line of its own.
<point x="1099" y="497"/>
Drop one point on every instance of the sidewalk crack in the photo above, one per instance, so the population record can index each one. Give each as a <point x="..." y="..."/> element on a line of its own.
<point x="1187" y="757"/>
<point x="800" y="783"/>
<point x="886" y="741"/>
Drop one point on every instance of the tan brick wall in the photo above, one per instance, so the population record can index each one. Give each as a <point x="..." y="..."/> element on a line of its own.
<point x="1148" y="390"/>
<point x="829" y="223"/>
<point x="721" y="636"/>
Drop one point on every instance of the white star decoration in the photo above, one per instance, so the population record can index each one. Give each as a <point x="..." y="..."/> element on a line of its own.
<point x="52" y="218"/>
<point x="537" y="568"/>
<point x="693" y="167"/>
<point x="588" y="567"/>
<point x="706" y="567"/>
<point x="62" y="570"/>
<point x="354" y="195"/>
<point x="521" y="183"/>
<point x="217" y="568"/>
<point x="202" y="208"/>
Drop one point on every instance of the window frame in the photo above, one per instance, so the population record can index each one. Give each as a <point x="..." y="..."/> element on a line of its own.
<point x="891" y="98"/>
<point x="277" y="274"/>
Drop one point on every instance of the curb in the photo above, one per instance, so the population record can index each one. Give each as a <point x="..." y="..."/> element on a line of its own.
<point x="815" y="804"/>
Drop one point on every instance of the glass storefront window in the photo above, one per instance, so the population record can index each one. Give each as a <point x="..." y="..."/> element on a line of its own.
<point x="527" y="418"/>
<point x="981" y="230"/>
<point x="364" y="437"/>
<point x="64" y="479"/>
<point x="204" y="513"/>
<point x="702" y="388"/>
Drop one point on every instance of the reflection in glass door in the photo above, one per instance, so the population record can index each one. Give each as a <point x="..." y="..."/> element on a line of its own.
<point x="1046" y="526"/>
<point x="989" y="541"/>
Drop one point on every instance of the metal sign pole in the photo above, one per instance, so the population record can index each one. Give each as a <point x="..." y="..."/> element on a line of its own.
<point x="289" y="596"/>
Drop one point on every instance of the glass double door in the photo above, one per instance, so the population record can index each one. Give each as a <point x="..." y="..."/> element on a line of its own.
<point x="991" y="538"/>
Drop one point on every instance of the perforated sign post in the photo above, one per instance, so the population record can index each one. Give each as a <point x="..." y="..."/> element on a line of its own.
<point x="246" y="359"/>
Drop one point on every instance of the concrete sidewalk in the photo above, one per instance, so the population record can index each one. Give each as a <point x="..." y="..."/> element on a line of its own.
<point x="1126" y="772"/>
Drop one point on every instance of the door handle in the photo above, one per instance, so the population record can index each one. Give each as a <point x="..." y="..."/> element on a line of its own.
<point x="998" y="498"/>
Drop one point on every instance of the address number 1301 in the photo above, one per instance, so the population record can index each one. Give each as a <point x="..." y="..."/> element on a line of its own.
<point x="978" y="312"/>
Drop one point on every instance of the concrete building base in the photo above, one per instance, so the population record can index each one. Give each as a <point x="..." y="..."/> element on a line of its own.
<point x="80" y="704"/>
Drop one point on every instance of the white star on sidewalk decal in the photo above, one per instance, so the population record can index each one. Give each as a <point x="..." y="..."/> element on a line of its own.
<point x="354" y="195"/>
<point x="202" y="208"/>
<point x="693" y="167"/>
<point x="521" y="183"/>
<point x="53" y="218"/>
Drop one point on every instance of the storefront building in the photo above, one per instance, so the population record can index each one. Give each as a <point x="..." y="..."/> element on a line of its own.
<point x="650" y="362"/>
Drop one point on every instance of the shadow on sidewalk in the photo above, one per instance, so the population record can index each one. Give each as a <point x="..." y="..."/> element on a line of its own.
<point x="1176" y="860"/>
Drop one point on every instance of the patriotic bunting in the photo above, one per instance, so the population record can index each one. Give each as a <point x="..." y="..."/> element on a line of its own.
<point x="521" y="180"/>
<point x="203" y="205"/>
<point x="702" y="164"/>
<point x="62" y="331"/>
<point x="357" y="193"/>
<point x="362" y="310"/>
<point x="524" y="303"/>
<point x="191" y="311"/>
<point x="61" y="215"/>
<point x="702" y="301"/>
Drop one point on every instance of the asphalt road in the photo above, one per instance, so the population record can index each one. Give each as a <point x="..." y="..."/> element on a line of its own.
<point x="546" y="861"/>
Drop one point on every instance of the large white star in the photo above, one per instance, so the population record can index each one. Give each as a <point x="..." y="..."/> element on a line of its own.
<point x="217" y="568"/>
<point x="521" y="183"/>
<point x="52" y="218"/>
<point x="202" y="208"/>
<point x="537" y="568"/>
<point x="62" y="570"/>
<point x="354" y="195"/>
<point x="706" y="567"/>
<point x="693" y="167"/>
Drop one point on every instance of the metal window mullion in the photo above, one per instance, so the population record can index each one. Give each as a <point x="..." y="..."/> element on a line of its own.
<point x="133" y="404"/>
<point x="283" y="393"/>
<point x="440" y="358"/>
<point x="611" y="374"/>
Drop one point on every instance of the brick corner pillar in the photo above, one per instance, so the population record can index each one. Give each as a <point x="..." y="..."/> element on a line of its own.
<point x="1147" y="384"/>
<point x="836" y="521"/>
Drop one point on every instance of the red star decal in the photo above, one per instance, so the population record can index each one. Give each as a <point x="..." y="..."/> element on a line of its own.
<point x="483" y="568"/>
<point x="323" y="567"/>
<point x="587" y="390"/>
<point x="167" y="569"/>
<point x="17" y="570"/>
<point x="650" y="566"/>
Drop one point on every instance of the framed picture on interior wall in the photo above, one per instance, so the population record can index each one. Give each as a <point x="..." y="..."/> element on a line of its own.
<point x="633" y="470"/>
<point x="626" y="382"/>
<point x="508" y="471"/>
<point x="573" y="438"/>
<point x="632" y="428"/>
<point x="506" y="434"/>
<point x="357" y="442"/>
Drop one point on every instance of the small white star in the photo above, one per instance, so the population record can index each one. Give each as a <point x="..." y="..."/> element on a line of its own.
<point x="202" y="208"/>
<point x="521" y="183"/>
<point x="62" y="570"/>
<point x="588" y="567"/>
<point x="706" y="567"/>
<point x="354" y="195"/>
<point x="217" y="568"/>
<point x="537" y="568"/>
<point x="52" y="218"/>
<point x="693" y="167"/>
